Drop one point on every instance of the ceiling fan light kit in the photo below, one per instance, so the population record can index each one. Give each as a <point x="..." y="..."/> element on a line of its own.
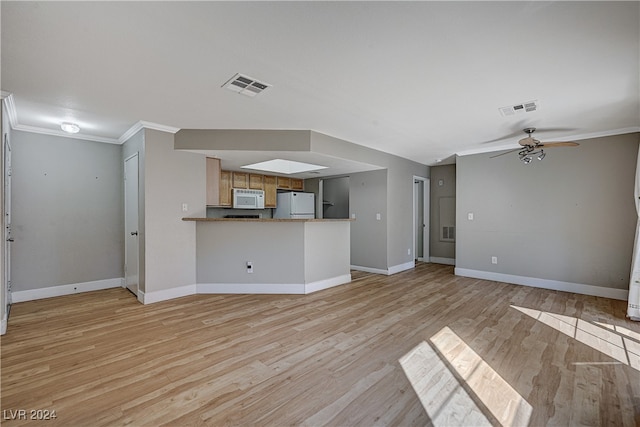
<point x="531" y="147"/>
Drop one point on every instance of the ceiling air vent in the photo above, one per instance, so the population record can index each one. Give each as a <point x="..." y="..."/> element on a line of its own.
<point x="525" y="107"/>
<point x="245" y="85"/>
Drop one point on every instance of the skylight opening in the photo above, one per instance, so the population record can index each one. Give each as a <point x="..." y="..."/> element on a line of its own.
<point x="282" y="166"/>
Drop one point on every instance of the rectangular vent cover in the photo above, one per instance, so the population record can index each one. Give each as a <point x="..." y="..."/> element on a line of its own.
<point x="525" y="107"/>
<point x="448" y="234"/>
<point x="245" y="85"/>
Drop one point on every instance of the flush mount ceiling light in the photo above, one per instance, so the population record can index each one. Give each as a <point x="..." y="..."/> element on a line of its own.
<point x="286" y="167"/>
<point x="70" y="127"/>
<point x="245" y="85"/>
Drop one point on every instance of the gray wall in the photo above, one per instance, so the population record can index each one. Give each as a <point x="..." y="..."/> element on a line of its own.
<point x="569" y="218"/>
<point x="335" y="191"/>
<point x="446" y="174"/>
<point x="172" y="177"/>
<point x="369" y="240"/>
<point x="399" y="195"/>
<point x="67" y="211"/>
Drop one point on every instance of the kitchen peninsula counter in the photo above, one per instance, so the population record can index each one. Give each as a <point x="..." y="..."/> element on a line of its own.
<point x="271" y="255"/>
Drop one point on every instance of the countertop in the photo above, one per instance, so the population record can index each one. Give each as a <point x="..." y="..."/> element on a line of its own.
<point x="265" y="219"/>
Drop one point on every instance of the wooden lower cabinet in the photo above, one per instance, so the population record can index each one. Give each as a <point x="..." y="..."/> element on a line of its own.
<point x="270" y="191"/>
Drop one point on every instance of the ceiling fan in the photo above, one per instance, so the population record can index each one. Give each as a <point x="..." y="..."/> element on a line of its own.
<point x="531" y="147"/>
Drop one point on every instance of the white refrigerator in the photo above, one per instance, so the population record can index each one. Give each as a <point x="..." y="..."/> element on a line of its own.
<point x="295" y="205"/>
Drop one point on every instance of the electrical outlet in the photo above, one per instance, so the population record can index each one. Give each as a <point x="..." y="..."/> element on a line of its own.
<point x="378" y="217"/>
<point x="494" y="260"/>
<point x="470" y="216"/>
<point x="409" y="251"/>
<point x="249" y="267"/>
<point x="185" y="207"/>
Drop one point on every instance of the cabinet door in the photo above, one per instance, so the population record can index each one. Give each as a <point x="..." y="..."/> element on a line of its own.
<point x="213" y="181"/>
<point x="255" y="182"/>
<point x="240" y="180"/>
<point x="297" y="184"/>
<point x="284" y="183"/>
<point x="225" y="188"/>
<point x="270" y="191"/>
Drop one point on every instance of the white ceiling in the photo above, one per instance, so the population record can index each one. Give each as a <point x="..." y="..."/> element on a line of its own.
<point x="422" y="80"/>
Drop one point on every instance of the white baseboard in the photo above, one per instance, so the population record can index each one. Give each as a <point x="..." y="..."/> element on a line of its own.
<point x="369" y="269"/>
<point x="391" y="270"/>
<point x="60" y="290"/>
<point x="440" y="260"/>
<point x="272" y="288"/>
<point x="167" y="294"/>
<point x="3" y="325"/>
<point x="402" y="267"/>
<point x="327" y="283"/>
<point x="556" y="285"/>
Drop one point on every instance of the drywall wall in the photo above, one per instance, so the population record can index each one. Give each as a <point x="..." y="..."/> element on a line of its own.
<point x="67" y="211"/>
<point x="335" y="192"/>
<point x="367" y="198"/>
<point x="400" y="176"/>
<point x="172" y="178"/>
<point x="568" y="218"/>
<point x="443" y="189"/>
<point x="135" y="145"/>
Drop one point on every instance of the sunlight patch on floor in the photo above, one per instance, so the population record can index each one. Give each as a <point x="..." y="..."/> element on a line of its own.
<point x="616" y="342"/>
<point x="437" y="373"/>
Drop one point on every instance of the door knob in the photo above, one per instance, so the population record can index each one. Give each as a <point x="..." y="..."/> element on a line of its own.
<point x="134" y="233"/>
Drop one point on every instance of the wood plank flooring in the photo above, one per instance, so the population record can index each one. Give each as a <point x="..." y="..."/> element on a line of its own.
<point x="421" y="347"/>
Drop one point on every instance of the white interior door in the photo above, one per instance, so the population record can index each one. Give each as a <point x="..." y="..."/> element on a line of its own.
<point x="131" y="267"/>
<point x="8" y="238"/>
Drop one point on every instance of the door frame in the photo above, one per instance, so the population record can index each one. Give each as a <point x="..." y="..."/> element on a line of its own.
<point x="426" y="216"/>
<point x="126" y="232"/>
<point x="6" y="230"/>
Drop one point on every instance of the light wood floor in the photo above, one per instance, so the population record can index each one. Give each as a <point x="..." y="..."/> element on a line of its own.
<point x="417" y="348"/>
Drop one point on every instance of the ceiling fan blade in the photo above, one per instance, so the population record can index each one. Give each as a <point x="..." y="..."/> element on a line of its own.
<point x="506" y="152"/>
<point x="558" y="144"/>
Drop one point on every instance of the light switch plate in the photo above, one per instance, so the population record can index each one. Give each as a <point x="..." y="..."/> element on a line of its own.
<point x="470" y="216"/>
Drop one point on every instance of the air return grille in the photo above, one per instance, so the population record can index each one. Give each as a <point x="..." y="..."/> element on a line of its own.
<point x="525" y="107"/>
<point x="245" y="85"/>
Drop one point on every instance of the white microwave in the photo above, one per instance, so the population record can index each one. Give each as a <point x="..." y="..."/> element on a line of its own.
<point x="248" y="199"/>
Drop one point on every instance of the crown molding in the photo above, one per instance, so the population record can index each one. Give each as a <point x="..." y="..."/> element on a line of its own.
<point x="579" y="137"/>
<point x="84" y="137"/>
<point x="10" y="107"/>
<point x="145" y="125"/>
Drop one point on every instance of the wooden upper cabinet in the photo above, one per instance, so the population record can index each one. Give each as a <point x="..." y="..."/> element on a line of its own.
<point x="284" y="183"/>
<point x="225" y="188"/>
<point x="297" y="184"/>
<point x="255" y="182"/>
<point x="213" y="181"/>
<point x="270" y="191"/>
<point x="240" y="180"/>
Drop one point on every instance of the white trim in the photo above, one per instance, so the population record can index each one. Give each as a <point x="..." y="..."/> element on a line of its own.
<point x="327" y="283"/>
<point x="60" y="290"/>
<point x="4" y="94"/>
<point x="370" y="270"/>
<point x="556" y="285"/>
<point x="391" y="270"/>
<point x="140" y="296"/>
<point x="145" y="125"/>
<point x="10" y="105"/>
<point x="167" y="294"/>
<point x="402" y="267"/>
<point x="440" y="260"/>
<point x="61" y="133"/>
<point x="3" y="325"/>
<point x="251" y="288"/>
